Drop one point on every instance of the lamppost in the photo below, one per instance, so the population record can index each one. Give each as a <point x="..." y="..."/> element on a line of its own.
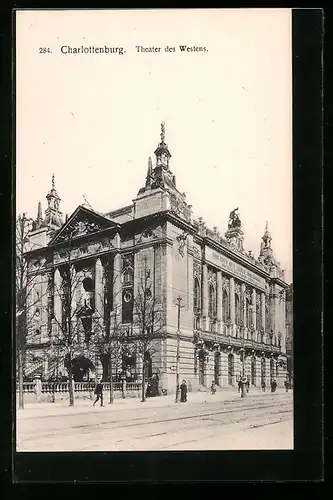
<point x="242" y="351"/>
<point x="178" y="351"/>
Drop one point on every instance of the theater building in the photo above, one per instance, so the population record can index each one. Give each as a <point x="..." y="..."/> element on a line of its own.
<point x="232" y="318"/>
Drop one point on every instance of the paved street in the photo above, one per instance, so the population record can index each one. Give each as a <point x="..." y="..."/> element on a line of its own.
<point x="221" y="422"/>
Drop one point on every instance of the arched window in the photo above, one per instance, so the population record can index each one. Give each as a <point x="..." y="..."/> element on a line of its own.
<point x="237" y="309"/>
<point x="225" y="306"/>
<point x="196" y="295"/>
<point x="212" y="301"/>
<point x="248" y="313"/>
<point x="127" y="275"/>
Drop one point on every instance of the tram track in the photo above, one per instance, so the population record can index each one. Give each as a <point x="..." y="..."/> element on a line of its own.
<point x="107" y="425"/>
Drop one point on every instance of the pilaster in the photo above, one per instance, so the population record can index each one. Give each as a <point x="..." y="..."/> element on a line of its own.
<point x="190" y="274"/>
<point x="263" y="311"/>
<point x="204" y="295"/>
<point x="117" y="286"/>
<point x="243" y="303"/>
<point x="254" y="309"/>
<point x="232" y="300"/>
<point x="219" y="301"/>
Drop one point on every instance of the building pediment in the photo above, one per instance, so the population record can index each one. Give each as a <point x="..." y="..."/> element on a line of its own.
<point x="82" y="222"/>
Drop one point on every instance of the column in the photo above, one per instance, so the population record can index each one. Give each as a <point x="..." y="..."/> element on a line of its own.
<point x="232" y="301"/>
<point x="276" y="312"/>
<point x="57" y="296"/>
<point x="254" y="309"/>
<point x="99" y="291"/>
<point x="117" y="299"/>
<point x="38" y="388"/>
<point x="263" y="312"/>
<point x="190" y="274"/>
<point x="219" y="301"/>
<point x="284" y="333"/>
<point x="243" y="302"/>
<point x="204" y="295"/>
<point x="46" y="367"/>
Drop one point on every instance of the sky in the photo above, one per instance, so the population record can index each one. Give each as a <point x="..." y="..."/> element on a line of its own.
<point x="94" y="119"/>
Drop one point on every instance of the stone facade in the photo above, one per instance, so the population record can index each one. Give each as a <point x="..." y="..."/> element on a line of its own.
<point x="233" y="310"/>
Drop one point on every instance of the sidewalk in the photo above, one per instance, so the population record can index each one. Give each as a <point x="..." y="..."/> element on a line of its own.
<point x="33" y="410"/>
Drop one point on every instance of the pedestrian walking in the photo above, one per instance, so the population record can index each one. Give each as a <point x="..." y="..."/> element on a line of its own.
<point x="213" y="387"/>
<point x="286" y="384"/>
<point x="183" y="392"/>
<point x="247" y="383"/>
<point x="99" y="393"/>
<point x="274" y="385"/>
<point x="263" y="386"/>
<point x="240" y="383"/>
<point x="149" y="390"/>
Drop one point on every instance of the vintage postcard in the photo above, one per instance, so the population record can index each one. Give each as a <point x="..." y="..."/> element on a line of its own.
<point x="154" y="273"/>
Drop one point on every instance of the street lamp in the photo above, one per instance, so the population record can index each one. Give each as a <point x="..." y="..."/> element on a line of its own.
<point x="179" y="299"/>
<point x="242" y="351"/>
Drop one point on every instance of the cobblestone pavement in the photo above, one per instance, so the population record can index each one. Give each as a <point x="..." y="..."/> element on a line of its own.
<point x="206" y="422"/>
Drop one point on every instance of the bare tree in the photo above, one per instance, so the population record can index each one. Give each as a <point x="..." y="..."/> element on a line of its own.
<point x="67" y="335"/>
<point x="108" y="334"/>
<point x="148" y="320"/>
<point x="26" y="270"/>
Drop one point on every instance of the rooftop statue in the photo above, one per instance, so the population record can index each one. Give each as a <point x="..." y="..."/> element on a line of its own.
<point x="234" y="220"/>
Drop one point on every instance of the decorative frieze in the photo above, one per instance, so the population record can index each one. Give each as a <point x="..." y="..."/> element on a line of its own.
<point x="239" y="271"/>
<point x="78" y="228"/>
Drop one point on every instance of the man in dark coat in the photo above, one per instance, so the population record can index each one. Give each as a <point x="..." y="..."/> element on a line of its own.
<point x="149" y="390"/>
<point x="99" y="393"/>
<point x="183" y="392"/>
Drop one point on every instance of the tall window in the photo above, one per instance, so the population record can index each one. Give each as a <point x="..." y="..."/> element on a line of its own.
<point x="258" y="315"/>
<point x="127" y="275"/>
<point x="196" y="295"/>
<point x="237" y="309"/>
<point x="225" y="306"/>
<point x="212" y="301"/>
<point x="248" y="313"/>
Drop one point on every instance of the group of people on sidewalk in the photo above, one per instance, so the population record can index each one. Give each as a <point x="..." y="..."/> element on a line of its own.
<point x="242" y="383"/>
